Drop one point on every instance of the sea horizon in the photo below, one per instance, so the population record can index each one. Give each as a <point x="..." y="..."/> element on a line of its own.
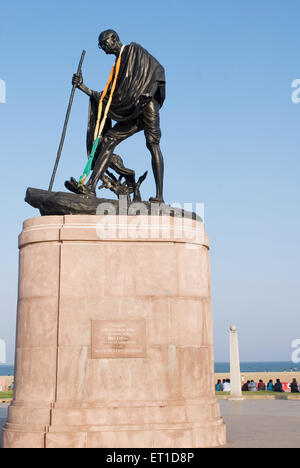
<point x="259" y="366"/>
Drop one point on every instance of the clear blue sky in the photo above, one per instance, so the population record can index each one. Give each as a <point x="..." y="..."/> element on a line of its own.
<point x="231" y="139"/>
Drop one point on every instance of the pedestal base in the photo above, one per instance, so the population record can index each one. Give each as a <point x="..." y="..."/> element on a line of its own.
<point x="114" y="336"/>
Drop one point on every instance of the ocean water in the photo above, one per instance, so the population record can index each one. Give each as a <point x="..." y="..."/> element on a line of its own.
<point x="276" y="366"/>
<point x="6" y="370"/>
<point x="220" y="367"/>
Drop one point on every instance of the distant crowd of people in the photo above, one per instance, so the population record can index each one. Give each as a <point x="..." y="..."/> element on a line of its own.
<point x="251" y="386"/>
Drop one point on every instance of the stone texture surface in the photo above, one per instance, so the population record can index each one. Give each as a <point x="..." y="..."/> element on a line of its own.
<point x="73" y="274"/>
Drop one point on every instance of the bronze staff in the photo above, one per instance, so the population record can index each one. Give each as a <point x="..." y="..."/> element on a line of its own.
<point x="66" y="124"/>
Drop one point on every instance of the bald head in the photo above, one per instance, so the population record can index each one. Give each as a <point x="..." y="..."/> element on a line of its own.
<point x="109" y="42"/>
<point x="108" y="33"/>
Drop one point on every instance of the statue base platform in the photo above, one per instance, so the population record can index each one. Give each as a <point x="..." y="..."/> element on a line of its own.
<point x="67" y="203"/>
<point x="114" y="335"/>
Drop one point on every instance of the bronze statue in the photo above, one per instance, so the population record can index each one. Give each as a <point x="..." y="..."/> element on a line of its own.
<point x="136" y="100"/>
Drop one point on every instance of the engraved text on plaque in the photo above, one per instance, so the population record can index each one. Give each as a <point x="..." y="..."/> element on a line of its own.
<point x="118" y="339"/>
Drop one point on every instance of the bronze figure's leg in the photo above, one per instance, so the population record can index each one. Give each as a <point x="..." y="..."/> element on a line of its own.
<point x="151" y="124"/>
<point x="114" y="136"/>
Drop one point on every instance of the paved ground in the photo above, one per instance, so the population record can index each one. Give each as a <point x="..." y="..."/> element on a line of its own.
<point x="251" y="424"/>
<point x="262" y="423"/>
<point x="3" y="416"/>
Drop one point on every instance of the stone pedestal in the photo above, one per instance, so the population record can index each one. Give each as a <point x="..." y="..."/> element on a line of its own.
<point x="114" y="335"/>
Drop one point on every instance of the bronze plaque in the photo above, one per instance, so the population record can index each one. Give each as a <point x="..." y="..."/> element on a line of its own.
<point x="113" y="339"/>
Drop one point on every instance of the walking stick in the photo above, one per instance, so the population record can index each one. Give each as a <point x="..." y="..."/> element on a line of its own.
<point x="65" y="125"/>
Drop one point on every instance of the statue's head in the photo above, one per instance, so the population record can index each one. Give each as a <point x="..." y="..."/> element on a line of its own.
<point x="109" y="42"/>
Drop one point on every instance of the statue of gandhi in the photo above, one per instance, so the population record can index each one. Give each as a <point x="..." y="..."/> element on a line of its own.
<point x="136" y="102"/>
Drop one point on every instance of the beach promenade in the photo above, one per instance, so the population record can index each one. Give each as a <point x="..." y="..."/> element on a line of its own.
<point x="262" y="423"/>
<point x="3" y="416"/>
<point x="6" y="382"/>
<point x="265" y="376"/>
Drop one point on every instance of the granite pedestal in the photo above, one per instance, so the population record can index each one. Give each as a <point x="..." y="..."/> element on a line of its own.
<point x="114" y="335"/>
